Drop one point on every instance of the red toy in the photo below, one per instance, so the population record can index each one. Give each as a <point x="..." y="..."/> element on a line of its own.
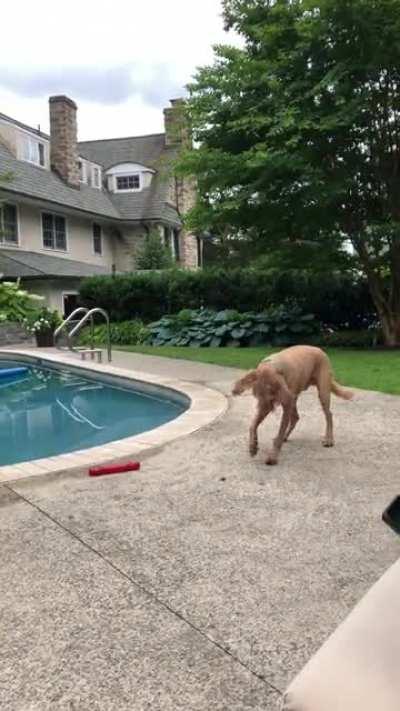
<point x="114" y="469"/>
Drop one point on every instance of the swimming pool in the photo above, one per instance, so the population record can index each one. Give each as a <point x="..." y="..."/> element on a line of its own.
<point x="48" y="411"/>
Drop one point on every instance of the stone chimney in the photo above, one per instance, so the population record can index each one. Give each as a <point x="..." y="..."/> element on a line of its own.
<point x="176" y="126"/>
<point x="63" y="139"/>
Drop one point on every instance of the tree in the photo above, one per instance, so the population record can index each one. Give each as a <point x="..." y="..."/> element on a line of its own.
<point x="154" y="254"/>
<point x="299" y="136"/>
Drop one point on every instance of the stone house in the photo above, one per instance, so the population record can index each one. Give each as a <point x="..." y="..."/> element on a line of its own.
<point x="72" y="209"/>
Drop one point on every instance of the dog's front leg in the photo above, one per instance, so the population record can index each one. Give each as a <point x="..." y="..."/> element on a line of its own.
<point x="260" y="415"/>
<point x="279" y="440"/>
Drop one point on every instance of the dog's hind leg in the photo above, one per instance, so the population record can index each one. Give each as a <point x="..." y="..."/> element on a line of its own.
<point x="259" y="417"/>
<point x="324" y="393"/>
<point x="293" y="421"/>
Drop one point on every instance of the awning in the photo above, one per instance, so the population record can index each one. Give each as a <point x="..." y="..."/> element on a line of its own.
<point x="19" y="264"/>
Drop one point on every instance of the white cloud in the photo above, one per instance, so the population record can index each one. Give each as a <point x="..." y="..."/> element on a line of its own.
<point x="120" y="61"/>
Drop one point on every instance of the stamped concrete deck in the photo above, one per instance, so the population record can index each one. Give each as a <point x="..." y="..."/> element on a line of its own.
<point x="204" y="581"/>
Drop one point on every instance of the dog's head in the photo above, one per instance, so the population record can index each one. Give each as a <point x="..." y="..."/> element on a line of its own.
<point x="245" y="383"/>
<point x="267" y="384"/>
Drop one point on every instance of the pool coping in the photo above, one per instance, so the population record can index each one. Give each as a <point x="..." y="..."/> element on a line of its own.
<point x="206" y="405"/>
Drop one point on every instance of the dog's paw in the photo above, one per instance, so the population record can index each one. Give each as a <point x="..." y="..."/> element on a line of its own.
<point x="271" y="460"/>
<point x="253" y="449"/>
<point x="327" y="442"/>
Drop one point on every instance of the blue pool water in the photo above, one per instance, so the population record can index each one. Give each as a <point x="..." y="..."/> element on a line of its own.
<point x="45" y="412"/>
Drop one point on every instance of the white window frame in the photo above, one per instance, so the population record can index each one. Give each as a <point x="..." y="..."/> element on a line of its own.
<point x="97" y="254"/>
<point x="33" y="142"/>
<point x="55" y="249"/>
<point x="82" y="165"/>
<point x="127" y="190"/>
<point x="4" y="242"/>
<point x="96" y="170"/>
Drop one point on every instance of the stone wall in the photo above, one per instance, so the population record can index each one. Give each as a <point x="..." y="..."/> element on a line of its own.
<point x="127" y="244"/>
<point x="188" y="250"/>
<point x="176" y="126"/>
<point x="182" y="192"/>
<point x="63" y="139"/>
<point x="12" y="334"/>
<point x="186" y="200"/>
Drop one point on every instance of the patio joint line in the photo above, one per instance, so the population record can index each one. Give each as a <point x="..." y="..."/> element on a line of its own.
<point x="143" y="589"/>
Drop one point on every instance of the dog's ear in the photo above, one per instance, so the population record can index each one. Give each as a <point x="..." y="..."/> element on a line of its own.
<point x="245" y="383"/>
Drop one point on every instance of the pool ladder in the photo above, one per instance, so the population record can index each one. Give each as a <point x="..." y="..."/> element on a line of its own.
<point x="88" y="315"/>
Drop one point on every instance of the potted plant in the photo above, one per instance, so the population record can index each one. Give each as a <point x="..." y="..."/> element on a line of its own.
<point x="42" y="325"/>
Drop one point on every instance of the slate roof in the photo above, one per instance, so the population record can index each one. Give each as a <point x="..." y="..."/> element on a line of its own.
<point x="146" y="150"/>
<point x="148" y="204"/>
<point x="32" y="181"/>
<point x="17" y="264"/>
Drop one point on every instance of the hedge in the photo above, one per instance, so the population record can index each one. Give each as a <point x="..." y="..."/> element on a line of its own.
<point x="336" y="300"/>
<point x="126" y="333"/>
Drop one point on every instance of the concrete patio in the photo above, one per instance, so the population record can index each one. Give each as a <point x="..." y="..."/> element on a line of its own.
<point x="204" y="581"/>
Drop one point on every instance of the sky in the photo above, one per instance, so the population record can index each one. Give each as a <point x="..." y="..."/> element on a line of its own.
<point x="120" y="61"/>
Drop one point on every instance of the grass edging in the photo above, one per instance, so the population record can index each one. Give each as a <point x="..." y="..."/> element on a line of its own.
<point x="366" y="369"/>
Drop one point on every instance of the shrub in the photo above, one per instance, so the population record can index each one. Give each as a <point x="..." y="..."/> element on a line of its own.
<point x="42" y="321"/>
<point x="16" y="304"/>
<point x="154" y="254"/>
<point x="123" y="334"/>
<point x="278" y="326"/>
<point x="347" y="339"/>
<point x="338" y="300"/>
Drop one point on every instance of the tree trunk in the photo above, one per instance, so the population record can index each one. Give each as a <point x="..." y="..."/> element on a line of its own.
<point x="391" y="330"/>
<point x="387" y="304"/>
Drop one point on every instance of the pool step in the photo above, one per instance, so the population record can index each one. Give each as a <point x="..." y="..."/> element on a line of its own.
<point x="92" y="352"/>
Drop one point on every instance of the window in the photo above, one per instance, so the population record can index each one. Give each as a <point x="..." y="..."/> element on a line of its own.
<point x="177" y="253"/>
<point x="128" y="182"/>
<point x="82" y="171"/>
<point x="167" y="237"/>
<point x="199" y="252"/>
<point x="41" y="154"/>
<point x="54" y="232"/>
<point x="96" y="178"/>
<point x="97" y="241"/>
<point x="8" y="224"/>
<point x="33" y="151"/>
<point x="129" y="177"/>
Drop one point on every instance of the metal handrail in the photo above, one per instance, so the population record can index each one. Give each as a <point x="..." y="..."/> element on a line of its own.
<point x="66" y="321"/>
<point x="84" y="319"/>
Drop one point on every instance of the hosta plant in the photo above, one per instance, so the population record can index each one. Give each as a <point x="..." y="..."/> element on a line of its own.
<point x="284" y="325"/>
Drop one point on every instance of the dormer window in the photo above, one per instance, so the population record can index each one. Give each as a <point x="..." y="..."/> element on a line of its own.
<point x="82" y="171"/>
<point x="89" y="173"/>
<point x="96" y="177"/>
<point x="128" y="182"/>
<point x="33" y="151"/>
<point x="129" y="177"/>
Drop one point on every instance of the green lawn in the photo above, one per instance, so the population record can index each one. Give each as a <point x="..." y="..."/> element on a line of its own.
<point x="371" y="370"/>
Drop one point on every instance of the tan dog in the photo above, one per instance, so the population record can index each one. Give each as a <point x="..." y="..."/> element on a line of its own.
<point x="279" y="380"/>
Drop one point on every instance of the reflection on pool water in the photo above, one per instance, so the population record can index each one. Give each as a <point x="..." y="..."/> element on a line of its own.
<point x="45" y="412"/>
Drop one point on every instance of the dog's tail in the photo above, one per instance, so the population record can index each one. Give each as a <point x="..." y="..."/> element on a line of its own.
<point x="344" y="393"/>
<point x="245" y="383"/>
